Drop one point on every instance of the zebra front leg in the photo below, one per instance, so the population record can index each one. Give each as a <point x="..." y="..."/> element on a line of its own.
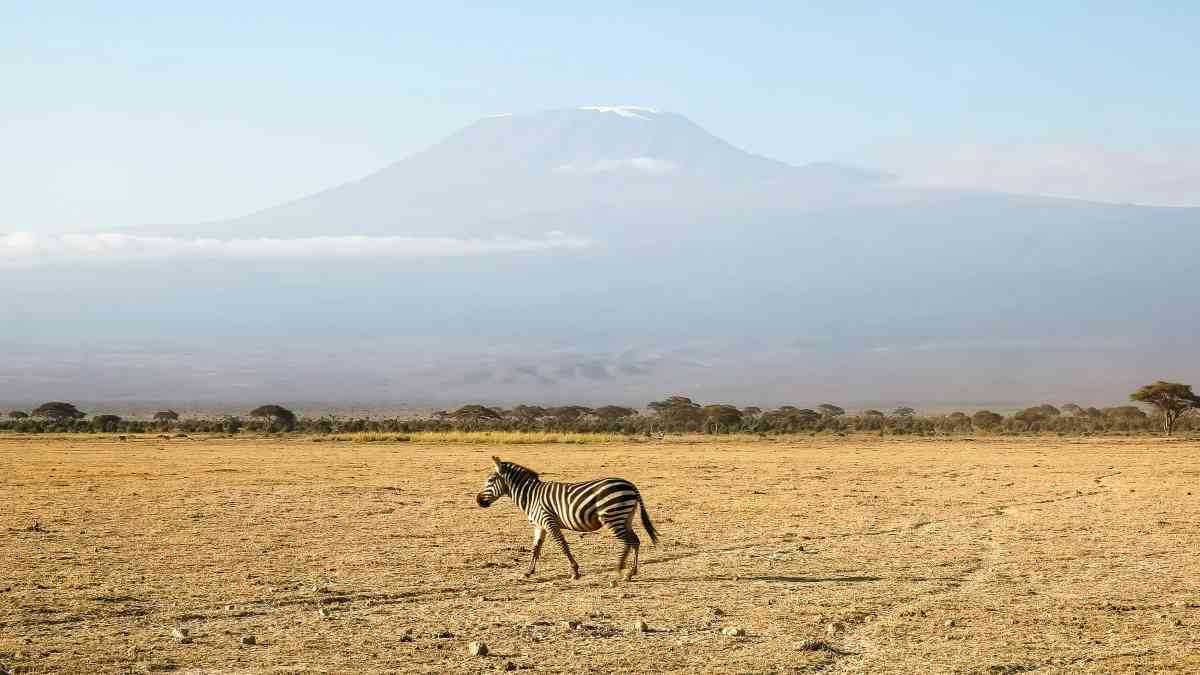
<point x="539" y="536"/>
<point x="562" y="543"/>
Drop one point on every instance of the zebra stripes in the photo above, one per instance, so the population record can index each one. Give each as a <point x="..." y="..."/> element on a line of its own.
<point x="582" y="507"/>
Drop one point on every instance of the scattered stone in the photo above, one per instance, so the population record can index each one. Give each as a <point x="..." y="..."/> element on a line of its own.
<point x="407" y="636"/>
<point x="572" y="625"/>
<point x="612" y="583"/>
<point x="182" y="635"/>
<point x="1177" y="622"/>
<point x="717" y="611"/>
<point x="249" y="640"/>
<point x="640" y="626"/>
<point x="320" y="589"/>
<point x="510" y="666"/>
<point x="812" y="645"/>
<point x="324" y="613"/>
<point x="477" y="649"/>
<point x="733" y="631"/>
<point x="950" y="623"/>
<point x="443" y="634"/>
<point x="230" y="608"/>
<point x="834" y="628"/>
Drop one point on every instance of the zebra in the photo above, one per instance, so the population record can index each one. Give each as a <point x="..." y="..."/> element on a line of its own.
<point x="582" y="507"/>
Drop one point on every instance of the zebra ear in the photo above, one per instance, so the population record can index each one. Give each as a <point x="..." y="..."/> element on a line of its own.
<point x="497" y="462"/>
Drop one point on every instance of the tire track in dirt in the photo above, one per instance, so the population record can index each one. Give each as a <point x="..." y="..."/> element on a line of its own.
<point x="864" y="649"/>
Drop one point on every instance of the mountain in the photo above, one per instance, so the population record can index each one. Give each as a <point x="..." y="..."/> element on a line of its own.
<point x="697" y="268"/>
<point x="515" y="174"/>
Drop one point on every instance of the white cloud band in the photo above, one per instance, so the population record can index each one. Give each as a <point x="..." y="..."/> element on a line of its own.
<point x="28" y="249"/>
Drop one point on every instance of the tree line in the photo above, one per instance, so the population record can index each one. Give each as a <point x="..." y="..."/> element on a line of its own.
<point x="1170" y="407"/>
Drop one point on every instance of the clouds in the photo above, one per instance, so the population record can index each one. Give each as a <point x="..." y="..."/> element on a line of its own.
<point x="28" y="249"/>
<point x="1150" y="174"/>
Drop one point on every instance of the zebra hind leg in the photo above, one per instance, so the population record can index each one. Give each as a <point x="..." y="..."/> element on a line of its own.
<point x="623" y="530"/>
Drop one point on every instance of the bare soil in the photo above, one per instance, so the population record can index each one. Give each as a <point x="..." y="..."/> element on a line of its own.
<point x="859" y="554"/>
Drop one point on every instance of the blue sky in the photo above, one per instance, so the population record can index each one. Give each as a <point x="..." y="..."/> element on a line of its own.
<point x="130" y="113"/>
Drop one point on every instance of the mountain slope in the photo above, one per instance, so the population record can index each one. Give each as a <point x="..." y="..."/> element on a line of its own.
<point x="553" y="164"/>
<point x="709" y="270"/>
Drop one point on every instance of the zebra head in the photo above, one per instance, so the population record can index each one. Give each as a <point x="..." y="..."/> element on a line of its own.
<point x="495" y="487"/>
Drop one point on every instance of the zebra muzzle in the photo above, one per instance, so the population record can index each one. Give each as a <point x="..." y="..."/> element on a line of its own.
<point x="482" y="500"/>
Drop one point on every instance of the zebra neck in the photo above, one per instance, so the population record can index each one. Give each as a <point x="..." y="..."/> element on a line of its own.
<point x="524" y="493"/>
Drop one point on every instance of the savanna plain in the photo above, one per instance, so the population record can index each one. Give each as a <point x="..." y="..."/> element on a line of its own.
<point x="855" y="554"/>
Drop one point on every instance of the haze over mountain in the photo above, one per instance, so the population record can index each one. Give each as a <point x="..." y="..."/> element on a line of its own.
<point x="614" y="254"/>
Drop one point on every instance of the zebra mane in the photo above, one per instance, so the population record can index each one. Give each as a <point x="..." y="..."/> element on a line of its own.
<point x="518" y="470"/>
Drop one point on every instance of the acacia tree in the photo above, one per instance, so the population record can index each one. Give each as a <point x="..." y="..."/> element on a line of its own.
<point x="612" y="413"/>
<point x="831" y="410"/>
<point x="1172" y="399"/>
<point x="720" y="417"/>
<point x="986" y="420"/>
<point x="677" y="412"/>
<point x="166" y="417"/>
<point x="58" y="411"/>
<point x="276" y="416"/>
<point x="473" y="414"/>
<point x="105" y="423"/>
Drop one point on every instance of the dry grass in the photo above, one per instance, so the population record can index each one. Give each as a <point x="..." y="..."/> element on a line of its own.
<point x="1060" y="555"/>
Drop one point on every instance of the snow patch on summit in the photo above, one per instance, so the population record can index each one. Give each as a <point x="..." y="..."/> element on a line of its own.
<point x="642" y="164"/>
<point x="630" y="111"/>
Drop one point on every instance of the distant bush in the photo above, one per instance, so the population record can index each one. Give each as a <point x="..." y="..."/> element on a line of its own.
<point x="676" y="414"/>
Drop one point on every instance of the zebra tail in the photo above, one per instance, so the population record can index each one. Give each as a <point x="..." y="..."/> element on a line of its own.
<point x="647" y="524"/>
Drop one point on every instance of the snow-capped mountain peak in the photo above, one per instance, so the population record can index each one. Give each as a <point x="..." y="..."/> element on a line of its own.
<point x="630" y="111"/>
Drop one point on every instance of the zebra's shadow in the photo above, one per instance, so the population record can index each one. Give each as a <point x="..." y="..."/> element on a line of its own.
<point x="712" y="578"/>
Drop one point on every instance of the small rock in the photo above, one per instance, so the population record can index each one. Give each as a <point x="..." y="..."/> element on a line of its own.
<point x="230" y="608"/>
<point x="477" y="649"/>
<point x="612" y="583"/>
<point x="324" y="613"/>
<point x="640" y="626"/>
<point x="510" y="666"/>
<point x="834" y="628"/>
<point x="1177" y="622"/>
<point x="249" y="640"/>
<point x="320" y="589"/>
<point x="811" y="645"/>
<point x="180" y="633"/>
<point x="733" y="631"/>
<point x="572" y="625"/>
<point x="717" y="611"/>
<point x="950" y="623"/>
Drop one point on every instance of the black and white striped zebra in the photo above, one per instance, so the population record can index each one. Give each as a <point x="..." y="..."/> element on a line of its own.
<point x="582" y="507"/>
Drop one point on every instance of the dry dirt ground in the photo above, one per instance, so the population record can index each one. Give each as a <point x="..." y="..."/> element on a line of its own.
<point x="990" y="555"/>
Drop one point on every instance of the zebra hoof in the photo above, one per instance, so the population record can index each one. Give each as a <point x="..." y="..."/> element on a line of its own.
<point x="574" y="575"/>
